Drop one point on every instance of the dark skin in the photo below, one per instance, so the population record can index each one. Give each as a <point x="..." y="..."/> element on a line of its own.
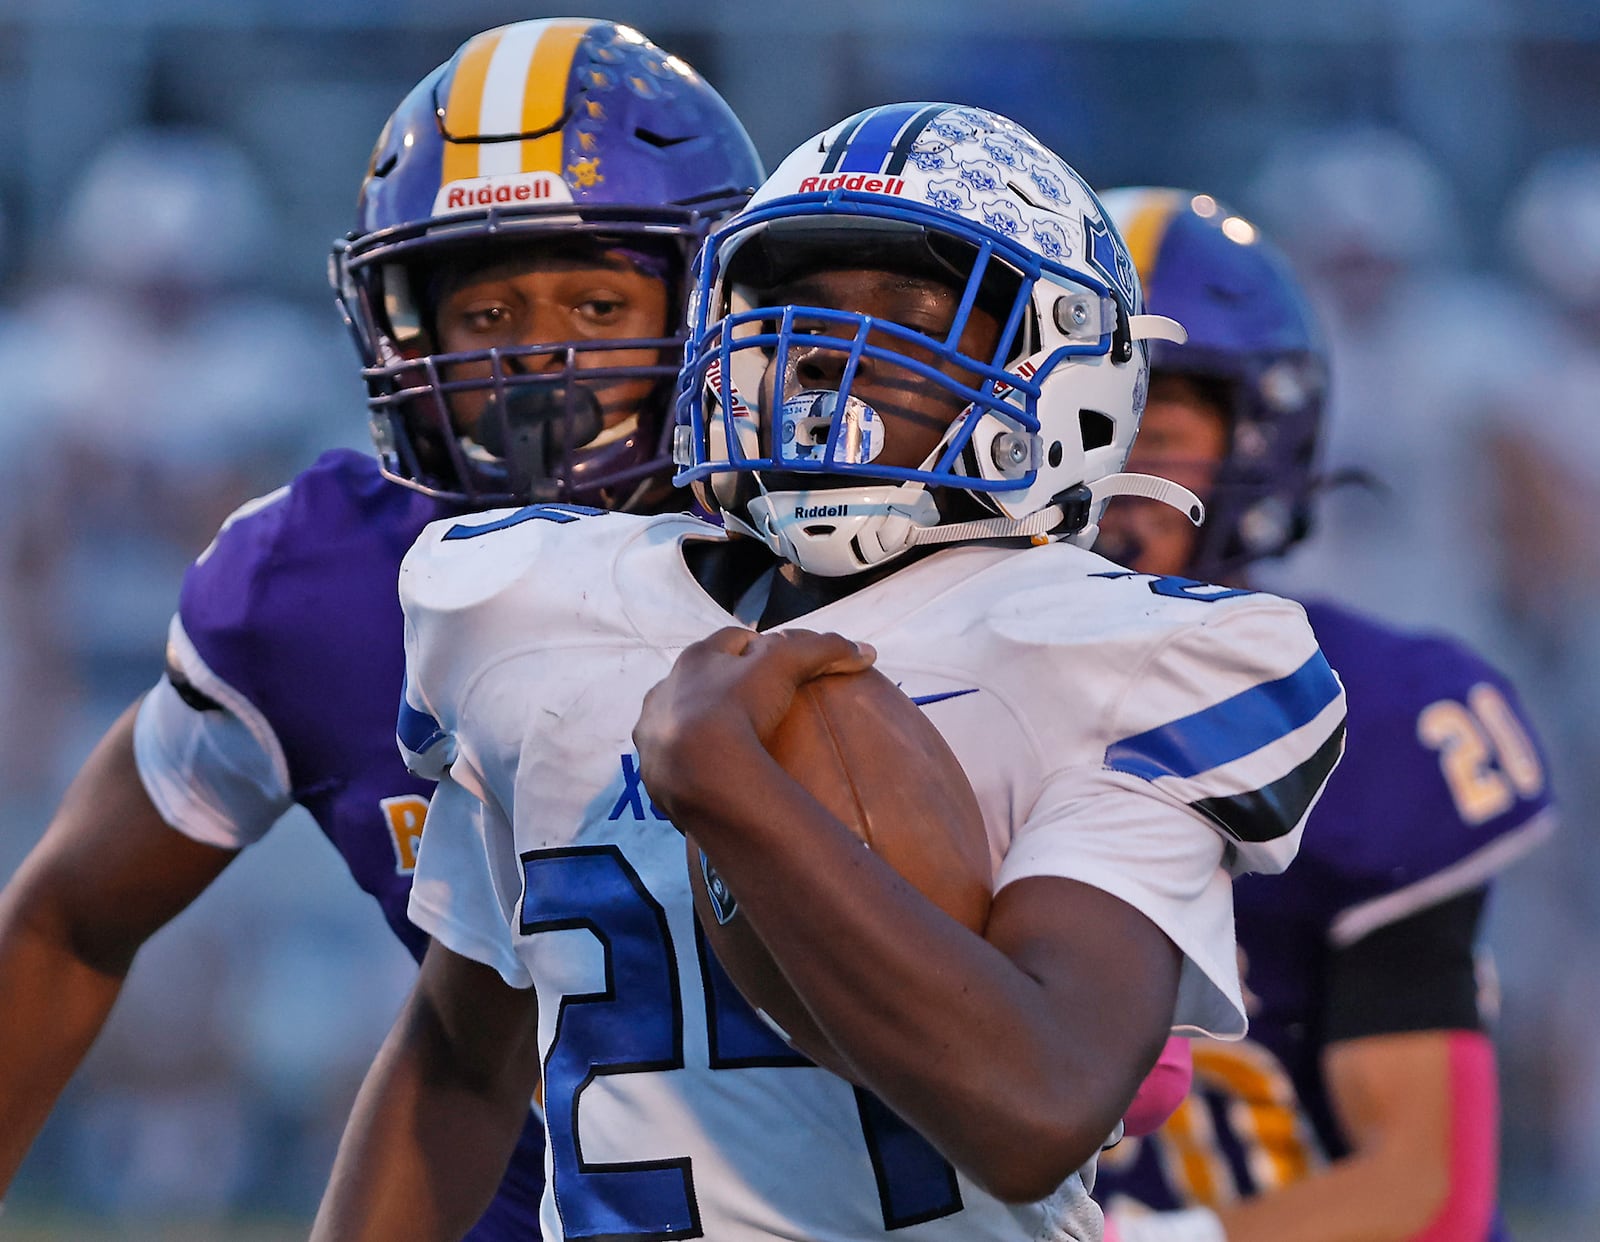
<point x="463" y="1058"/>
<point x="107" y="875"/>
<point x="543" y="296"/>
<point x="841" y="923"/>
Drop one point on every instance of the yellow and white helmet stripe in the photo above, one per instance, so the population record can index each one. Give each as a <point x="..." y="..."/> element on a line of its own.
<point x="511" y="80"/>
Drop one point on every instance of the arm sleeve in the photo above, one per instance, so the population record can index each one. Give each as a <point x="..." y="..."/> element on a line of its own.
<point x="466" y="890"/>
<point x="1242" y="721"/>
<point x="210" y="763"/>
<point x="1417" y="974"/>
<point x="1119" y="834"/>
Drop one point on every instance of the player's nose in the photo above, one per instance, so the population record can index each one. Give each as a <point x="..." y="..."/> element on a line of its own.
<point x="538" y="350"/>
<point x="815" y="367"/>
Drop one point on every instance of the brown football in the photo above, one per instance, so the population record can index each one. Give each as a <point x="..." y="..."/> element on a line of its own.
<point x="871" y="757"/>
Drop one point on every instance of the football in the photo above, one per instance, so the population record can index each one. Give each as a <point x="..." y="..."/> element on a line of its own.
<point x="869" y="755"/>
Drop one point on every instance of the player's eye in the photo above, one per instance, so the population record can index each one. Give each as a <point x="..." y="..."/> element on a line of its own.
<point x="602" y="309"/>
<point x="485" y="319"/>
<point x="814" y="327"/>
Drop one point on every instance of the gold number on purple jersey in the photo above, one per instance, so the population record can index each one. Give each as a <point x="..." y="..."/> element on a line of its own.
<point x="1485" y="755"/>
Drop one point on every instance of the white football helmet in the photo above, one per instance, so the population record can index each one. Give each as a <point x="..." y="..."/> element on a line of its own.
<point x="969" y="198"/>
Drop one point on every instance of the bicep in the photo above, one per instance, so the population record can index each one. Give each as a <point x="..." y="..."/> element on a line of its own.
<point x="1392" y="1091"/>
<point x="469" y="1021"/>
<point x="1106" y="969"/>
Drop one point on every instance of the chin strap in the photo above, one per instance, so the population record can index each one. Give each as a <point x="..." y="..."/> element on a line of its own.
<point x="1040" y="524"/>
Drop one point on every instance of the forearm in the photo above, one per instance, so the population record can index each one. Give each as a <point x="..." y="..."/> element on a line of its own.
<point x="106" y="876"/>
<point x="439" y="1114"/>
<point x="52" y="1006"/>
<point x="843" y="926"/>
<point x="1362" y="1198"/>
<point x="1357" y="1199"/>
<point x="1423" y="1112"/>
<point x="420" y="1157"/>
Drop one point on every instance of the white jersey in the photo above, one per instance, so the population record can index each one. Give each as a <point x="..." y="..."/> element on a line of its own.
<point x="1141" y="735"/>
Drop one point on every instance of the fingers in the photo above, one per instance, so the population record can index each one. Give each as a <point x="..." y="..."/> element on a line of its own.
<point x="800" y="655"/>
<point x="796" y="655"/>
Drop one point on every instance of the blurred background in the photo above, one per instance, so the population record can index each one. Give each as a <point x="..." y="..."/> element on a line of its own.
<point x="173" y="172"/>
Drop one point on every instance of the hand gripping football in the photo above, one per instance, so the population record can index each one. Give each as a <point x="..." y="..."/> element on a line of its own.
<point x="869" y="755"/>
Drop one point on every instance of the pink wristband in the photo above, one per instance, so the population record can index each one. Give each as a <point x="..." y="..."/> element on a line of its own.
<point x="1162" y="1090"/>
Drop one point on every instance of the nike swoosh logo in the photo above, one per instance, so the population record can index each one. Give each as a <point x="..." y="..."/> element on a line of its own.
<point x="924" y="699"/>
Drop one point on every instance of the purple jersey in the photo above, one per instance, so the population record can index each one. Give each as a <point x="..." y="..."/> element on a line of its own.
<point x="1442" y="785"/>
<point x="295" y="608"/>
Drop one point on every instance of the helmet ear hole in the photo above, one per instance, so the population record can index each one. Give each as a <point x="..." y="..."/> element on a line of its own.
<point x="1054" y="455"/>
<point x="1097" y="429"/>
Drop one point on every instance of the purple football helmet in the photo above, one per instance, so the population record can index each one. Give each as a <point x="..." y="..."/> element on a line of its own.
<point x="1252" y="331"/>
<point x="564" y="131"/>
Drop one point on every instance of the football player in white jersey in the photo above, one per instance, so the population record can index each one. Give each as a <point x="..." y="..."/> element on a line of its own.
<point x="915" y="370"/>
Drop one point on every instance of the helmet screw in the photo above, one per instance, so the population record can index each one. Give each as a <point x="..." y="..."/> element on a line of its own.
<point x="1012" y="452"/>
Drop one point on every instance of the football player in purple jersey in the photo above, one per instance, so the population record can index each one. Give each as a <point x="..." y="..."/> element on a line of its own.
<point x="513" y="285"/>
<point x="1363" y="1102"/>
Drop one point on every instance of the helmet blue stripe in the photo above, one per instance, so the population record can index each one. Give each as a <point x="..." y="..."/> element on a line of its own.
<point x="871" y="144"/>
<point x="841" y="144"/>
<point x="908" y="138"/>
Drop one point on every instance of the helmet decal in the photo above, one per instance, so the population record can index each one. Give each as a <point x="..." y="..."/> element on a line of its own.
<point x="1110" y="259"/>
<point x="881" y="140"/>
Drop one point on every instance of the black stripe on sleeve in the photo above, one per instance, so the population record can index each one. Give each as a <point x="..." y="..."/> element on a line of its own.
<point x="1269" y="813"/>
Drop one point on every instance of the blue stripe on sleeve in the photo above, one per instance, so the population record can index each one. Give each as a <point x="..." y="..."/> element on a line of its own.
<point x="1230" y="729"/>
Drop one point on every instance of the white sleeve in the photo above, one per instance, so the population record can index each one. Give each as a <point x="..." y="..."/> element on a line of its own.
<point x="216" y="775"/>
<point x="1113" y="831"/>
<point x="1242" y="721"/>
<point x="467" y="886"/>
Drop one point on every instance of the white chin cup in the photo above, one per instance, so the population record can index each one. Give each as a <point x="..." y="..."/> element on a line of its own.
<point x="843" y="530"/>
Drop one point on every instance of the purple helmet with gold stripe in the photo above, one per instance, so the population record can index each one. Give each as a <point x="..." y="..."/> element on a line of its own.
<point x="1252" y="333"/>
<point x="568" y="131"/>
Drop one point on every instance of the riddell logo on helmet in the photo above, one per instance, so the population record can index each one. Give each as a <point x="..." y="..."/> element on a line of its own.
<point x="805" y="513"/>
<point x="856" y="181"/>
<point x="517" y="190"/>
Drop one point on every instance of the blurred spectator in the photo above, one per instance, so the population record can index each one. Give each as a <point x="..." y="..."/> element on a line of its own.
<point x="1420" y="348"/>
<point x="153" y="383"/>
<point x="1545" y="503"/>
<point x="153" y="386"/>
